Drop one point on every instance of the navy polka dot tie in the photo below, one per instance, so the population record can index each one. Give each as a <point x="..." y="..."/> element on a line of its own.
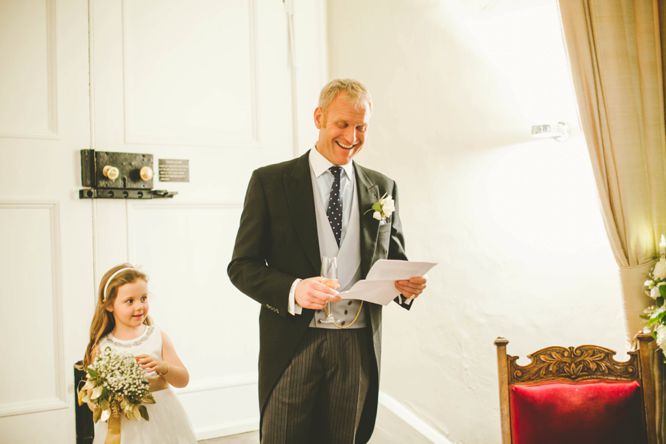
<point x="334" y="210"/>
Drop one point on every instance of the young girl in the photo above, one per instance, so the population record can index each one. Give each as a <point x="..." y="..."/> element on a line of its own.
<point x="121" y="322"/>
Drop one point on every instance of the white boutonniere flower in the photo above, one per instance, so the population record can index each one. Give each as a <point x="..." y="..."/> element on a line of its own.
<point x="382" y="209"/>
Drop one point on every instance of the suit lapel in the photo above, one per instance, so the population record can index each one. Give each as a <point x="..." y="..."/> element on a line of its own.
<point x="368" y="193"/>
<point x="298" y="189"/>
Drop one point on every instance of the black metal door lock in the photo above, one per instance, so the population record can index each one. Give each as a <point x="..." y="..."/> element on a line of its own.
<point x="109" y="175"/>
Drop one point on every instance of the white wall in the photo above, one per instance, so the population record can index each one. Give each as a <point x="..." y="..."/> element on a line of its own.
<point x="514" y="222"/>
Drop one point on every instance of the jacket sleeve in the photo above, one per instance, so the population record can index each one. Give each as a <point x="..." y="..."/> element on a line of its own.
<point x="248" y="269"/>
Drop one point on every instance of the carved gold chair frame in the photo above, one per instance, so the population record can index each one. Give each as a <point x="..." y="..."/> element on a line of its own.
<point x="570" y="364"/>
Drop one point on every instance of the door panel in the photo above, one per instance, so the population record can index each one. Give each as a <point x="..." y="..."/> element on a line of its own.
<point x="191" y="79"/>
<point x="31" y="242"/>
<point x="29" y="29"/>
<point x="46" y="287"/>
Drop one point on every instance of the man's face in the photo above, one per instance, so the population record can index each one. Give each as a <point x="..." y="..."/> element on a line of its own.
<point x="342" y="129"/>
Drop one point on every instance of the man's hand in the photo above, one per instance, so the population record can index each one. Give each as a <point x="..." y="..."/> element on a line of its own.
<point x="412" y="287"/>
<point x="313" y="293"/>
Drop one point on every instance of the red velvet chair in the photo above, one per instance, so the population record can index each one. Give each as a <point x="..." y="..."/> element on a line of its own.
<point x="572" y="395"/>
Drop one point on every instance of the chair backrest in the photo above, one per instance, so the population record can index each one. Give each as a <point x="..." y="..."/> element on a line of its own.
<point x="577" y="395"/>
<point x="85" y="428"/>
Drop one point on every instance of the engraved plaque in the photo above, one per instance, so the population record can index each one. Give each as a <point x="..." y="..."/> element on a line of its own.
<point x="174" y="170"/>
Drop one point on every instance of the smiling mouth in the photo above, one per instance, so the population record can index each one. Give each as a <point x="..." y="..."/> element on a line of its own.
<point x="345" y="147"/>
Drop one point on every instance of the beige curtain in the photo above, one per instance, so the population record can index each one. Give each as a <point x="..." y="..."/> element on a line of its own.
<point x="615" y="48"/>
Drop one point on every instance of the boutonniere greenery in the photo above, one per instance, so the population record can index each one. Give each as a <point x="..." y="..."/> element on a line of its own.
<point x="382" y="209"/>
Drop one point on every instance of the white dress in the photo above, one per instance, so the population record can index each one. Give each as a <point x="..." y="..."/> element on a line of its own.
<point x="168" y="423"/>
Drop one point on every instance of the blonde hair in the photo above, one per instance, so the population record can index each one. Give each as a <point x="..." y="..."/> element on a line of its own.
<point x="103" y="322"/>
<point x="352" y="88"/>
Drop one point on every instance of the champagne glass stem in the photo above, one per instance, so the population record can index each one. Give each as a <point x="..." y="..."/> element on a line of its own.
<point x="329" y="274"/>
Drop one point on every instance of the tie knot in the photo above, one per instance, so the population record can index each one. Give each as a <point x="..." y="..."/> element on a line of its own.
<point x="335" y="170"/>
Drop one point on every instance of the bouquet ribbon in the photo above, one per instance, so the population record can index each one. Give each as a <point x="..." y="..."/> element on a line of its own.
<point x="113" y="432"/>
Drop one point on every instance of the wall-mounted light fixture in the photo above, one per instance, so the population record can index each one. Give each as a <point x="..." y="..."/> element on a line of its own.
<point x="558" y="131"/>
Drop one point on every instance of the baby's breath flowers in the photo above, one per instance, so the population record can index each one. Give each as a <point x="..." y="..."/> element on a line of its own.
<point x="655" y="287"/>
<point x="115" y="384"/>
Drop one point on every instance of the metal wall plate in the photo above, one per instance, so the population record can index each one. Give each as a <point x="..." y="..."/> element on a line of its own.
<point x="112" y="175"/>
<point x="128" y="170"/>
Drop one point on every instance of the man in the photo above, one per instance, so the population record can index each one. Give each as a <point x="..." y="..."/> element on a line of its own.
<point x="318" y="381"/>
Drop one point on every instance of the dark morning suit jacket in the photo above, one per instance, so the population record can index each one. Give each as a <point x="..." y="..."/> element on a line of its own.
<point x="277" y="243"/>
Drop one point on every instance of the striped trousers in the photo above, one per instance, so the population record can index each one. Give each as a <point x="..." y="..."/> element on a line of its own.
<point x="320" y="396"/>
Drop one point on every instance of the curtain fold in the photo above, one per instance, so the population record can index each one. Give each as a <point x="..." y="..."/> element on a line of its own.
<point x="616" y="49"/>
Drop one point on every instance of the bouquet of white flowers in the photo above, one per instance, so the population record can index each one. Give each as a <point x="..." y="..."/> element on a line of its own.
<point x="115" y="384"/>
<point x="655" y="287"/>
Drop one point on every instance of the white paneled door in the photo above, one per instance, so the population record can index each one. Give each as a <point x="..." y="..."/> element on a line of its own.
<point x="206" y="81"/>
<point x="46" y="284"/>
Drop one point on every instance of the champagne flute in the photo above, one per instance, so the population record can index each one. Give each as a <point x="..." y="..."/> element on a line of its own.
<point x="329" y="277"/>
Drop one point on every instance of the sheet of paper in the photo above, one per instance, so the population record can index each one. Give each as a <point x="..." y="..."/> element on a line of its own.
<point x="377" y="292"/>
<point x="379" y="286"/>
<point x="390" y="269"/>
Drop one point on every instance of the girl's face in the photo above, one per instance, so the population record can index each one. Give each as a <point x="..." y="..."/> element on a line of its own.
<point x="131" y="305"/>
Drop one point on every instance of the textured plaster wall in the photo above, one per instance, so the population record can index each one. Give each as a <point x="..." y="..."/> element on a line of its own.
<point x="514" y="222"/>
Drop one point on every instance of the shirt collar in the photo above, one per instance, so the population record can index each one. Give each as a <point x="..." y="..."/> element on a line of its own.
<point x="320" y="164"/>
